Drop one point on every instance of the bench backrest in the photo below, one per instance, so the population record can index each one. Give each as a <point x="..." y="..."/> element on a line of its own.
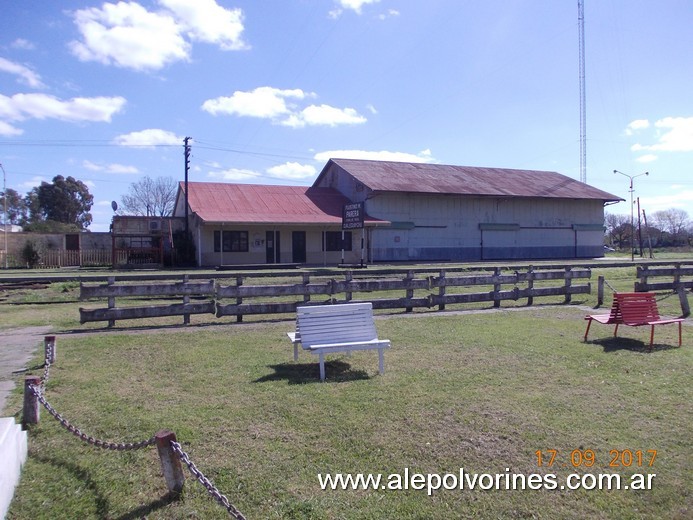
<point x="637" y="308"/>
<point x="339" y="323"/>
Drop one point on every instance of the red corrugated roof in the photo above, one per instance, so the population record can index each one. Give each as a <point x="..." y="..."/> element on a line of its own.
<point x="263" y="204"/>
<point x="466" y="180"/>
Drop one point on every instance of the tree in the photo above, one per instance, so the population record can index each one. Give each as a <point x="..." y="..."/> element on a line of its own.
<point x="16" y="207"/>
<point x="150" y="197"/>
<point x="64" y="201"/>
<point x="618" y="229"/>
<point x="673" y="221"/>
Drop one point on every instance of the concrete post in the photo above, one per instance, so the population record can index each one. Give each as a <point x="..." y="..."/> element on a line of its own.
<point x="32" y="407"/>
<point x="170" y="461"/>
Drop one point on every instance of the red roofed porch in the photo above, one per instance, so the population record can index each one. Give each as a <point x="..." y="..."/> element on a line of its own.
<point x="233" y="224"/>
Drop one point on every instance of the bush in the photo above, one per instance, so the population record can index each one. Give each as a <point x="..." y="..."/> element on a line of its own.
<point x="30" y="254"/>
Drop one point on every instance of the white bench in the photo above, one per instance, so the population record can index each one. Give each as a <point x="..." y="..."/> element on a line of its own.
<point x="327" y="329"/>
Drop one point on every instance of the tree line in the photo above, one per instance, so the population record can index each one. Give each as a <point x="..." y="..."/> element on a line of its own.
<point x="667" y="228"/>
<point x="64" y="204"/>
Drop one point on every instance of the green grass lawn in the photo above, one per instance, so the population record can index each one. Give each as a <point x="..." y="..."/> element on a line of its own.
<point x="482" y="391"/>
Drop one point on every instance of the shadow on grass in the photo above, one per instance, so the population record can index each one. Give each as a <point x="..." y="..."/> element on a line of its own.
<point x="101" y="502"/>
<point x="612" y="344"/>
<point x="301" y="373"/>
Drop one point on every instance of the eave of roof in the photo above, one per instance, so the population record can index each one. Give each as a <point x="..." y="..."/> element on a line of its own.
<point x="389" y="176"/>
<point x="217" y="203"/>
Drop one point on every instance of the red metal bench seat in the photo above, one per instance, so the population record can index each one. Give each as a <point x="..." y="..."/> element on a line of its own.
<point x="633" y="310"/>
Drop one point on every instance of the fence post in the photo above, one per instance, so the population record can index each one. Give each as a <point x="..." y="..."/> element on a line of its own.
<point x="600" y="291"/>
<point x="348" y="276"/>
<point x="186" y="300"/>
<point x="568" y="283"/>
<point x="496" y="288"/>
<point x="306" y="281"/>
<point x="410" y="292"/>
<point x="50" y="346"/>
<point x="683" y="298"/>
<point x="32" y="410"/>
<point x="111" y="300"/>
<point x="239" y="300"/>
<point x="641" y="272"/>
<point x="441" y="290"/>
<point x="170" y="462"/>
<point x="530" y="285"/>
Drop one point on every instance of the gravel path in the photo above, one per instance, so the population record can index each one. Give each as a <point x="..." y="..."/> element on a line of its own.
<point x="17" y="347"/>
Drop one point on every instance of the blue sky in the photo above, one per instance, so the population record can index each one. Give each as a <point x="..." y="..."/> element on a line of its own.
<point x="269" y="90"/>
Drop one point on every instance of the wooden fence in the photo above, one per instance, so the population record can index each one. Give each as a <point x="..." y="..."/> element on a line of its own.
<point x="680" y="277"/>
<point x="417" y="289"/>
<point x="54" y="258"/>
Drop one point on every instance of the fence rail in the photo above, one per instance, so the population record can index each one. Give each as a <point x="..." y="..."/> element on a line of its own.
<point x="676" y="273"/>
<point x="443" y="288"/>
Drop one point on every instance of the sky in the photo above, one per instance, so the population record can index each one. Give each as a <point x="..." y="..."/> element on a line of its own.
<point x="269" y="90"/>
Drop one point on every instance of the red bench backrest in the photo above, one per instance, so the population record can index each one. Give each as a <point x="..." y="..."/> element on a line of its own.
<point x="637" y="308"/>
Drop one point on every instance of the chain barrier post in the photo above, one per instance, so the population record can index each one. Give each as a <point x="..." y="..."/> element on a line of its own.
<point x="600" y="290"/>
<point x="31" y="412"/>
<point x="170" y="462"/>
<point x="50" y="346"/>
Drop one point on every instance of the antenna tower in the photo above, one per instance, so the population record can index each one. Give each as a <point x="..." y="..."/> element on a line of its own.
<point x="583" y="107"/>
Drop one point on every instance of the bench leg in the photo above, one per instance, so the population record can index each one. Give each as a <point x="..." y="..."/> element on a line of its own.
<point x="679" y="334"/>
<point x="381" y="361"/>
<point x="321" y="358"/>
<point x="589" y="323"/>
<point x="616" y="330"/>
<point x="651" y="336"/>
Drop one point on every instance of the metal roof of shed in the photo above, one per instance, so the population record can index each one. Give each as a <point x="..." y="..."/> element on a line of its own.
<point x="388" y="176"/>
<point x="217" y="202"/>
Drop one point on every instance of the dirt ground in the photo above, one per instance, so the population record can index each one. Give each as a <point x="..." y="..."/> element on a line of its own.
<point x="17" y="347"/>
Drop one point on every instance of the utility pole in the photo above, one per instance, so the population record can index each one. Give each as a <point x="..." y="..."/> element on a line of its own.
<point x="187" y="169"/>
<point x="4" y="215"/>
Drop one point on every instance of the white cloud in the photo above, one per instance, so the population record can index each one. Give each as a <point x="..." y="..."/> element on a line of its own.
<point x="25" y="74"/>
<point x="647" y="158"/>
<point x="292" y="170"/>
<point x="41" y="106"/>
<point x="280" y="106"/>
<point x="351" y="5"/>
<point x="263" y="102"/>
<point x="7" y="130"/>
<point x="390" y="13"/>
<point x="673" y="134"/>
<point x="233" y="174"/>
<point x="128" y="35"/>
<point x="206" y="21"/>
<point x="35" y="181"/>
<point x="422" y="157"/>
<point x="638" y="124"/>
<point x="21" y="43"/>
<point x="324" y="115"/>
<point x="109" y="168"/>
<point x="149" y="138"/>
<point x="678" y="198"/>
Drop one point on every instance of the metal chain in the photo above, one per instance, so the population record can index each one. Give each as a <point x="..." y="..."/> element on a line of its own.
<point x="206" y="482"/>
<point x="47" y="366"/>
<point x="609" y="286"/>
<point x="115" y="446"/>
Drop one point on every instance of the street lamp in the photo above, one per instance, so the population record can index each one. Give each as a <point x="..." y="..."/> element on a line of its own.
<point x="632" y="225"/>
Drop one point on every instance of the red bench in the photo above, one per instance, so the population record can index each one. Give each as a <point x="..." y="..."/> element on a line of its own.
<point x="633" y="310"/>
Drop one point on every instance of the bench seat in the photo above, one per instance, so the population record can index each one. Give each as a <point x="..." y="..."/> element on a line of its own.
<point x="329" y="329"/>
<point x="633" y="310"/>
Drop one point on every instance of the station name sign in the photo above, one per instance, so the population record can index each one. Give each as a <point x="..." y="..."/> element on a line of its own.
<point x="352" y="216"/>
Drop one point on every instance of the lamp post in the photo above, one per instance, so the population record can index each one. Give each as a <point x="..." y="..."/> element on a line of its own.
<point x="632" y="224"/>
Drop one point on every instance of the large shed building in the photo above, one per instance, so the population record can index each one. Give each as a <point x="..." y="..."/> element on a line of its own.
<point x="414" y="212"/>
